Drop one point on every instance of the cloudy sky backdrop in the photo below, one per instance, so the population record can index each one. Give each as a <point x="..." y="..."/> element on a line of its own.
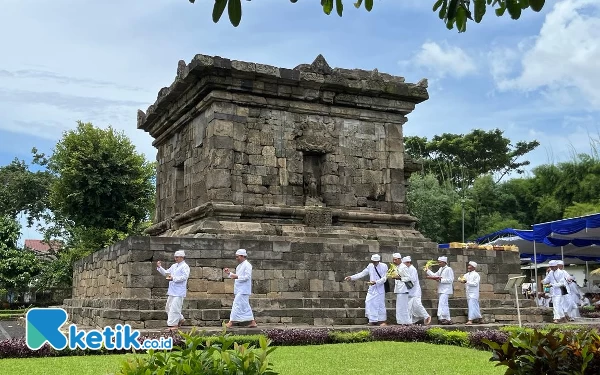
<point x="99" y="61"/>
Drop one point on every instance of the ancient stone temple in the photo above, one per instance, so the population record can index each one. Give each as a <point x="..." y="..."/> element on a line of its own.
<point x="305" y="169"/>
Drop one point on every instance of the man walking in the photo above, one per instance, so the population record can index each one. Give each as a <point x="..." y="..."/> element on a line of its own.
<point x="415" y="307"/>
<point x="241" y="311"/>
<point x="375" y="299"/>
<point x="558" y="280"/>
<point x="471" y="280"/>
<point x="445" y="277"/>
<point x="401" y="290"/>
<point x="178" y="275"/>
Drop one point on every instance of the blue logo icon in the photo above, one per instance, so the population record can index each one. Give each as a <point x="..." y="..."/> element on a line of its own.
<point x="44" y="324"/>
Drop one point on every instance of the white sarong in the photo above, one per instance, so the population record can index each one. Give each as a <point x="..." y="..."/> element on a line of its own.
<point x="558" y="307"/>
<point x="402" y="312"/>
<point x="375" y="307"/>
<point x="416" y="309"/>
<point x="443" y="312"/>
<point x="173" y="308"/>
<point x="474" y="312"/>
<point x="241" y="310"/>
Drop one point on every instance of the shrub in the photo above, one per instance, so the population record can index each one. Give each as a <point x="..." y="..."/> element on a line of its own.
<point x="298" y="336"/>
<point x="553" y="352"/>
<point x="217" y="355"/>
<point x="400" y="333"/>
<point x="350" y="337"/>
<point x="476" y="337"/>
<point x="442" y="336"/>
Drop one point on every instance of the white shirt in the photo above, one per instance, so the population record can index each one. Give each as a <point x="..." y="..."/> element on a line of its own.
<point x="243" y="284"/>
<point x="556" y="279"/>
<point x="445" y="284"/>
<point x="400" y="286"/>
<point x="180" y="272"/>
<point x="472" y="284"/>
<point x="414" y="277"/>
<point x="378" y="288"/>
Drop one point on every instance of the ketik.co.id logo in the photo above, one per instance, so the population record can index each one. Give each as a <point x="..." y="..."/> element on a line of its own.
<point x="43" y="325"/>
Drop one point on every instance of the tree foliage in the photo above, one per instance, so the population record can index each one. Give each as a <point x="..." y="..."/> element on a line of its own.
<point x="451" y="12"/>
<point x="101" y="181"/>
<point x="461" y="158"/>
<point x="18" y="267"/>
<point x="22" y="190"/>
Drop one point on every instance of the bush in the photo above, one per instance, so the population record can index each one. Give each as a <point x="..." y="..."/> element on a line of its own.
<point x="217" y="355"/>
<point x="476" y="338"/>
<point x="552" y="353"/>
<point x="400" y="333"/>
<point x="298" y="336"/>
<point x="350" y="337"/>
<point x="442" y="336"/>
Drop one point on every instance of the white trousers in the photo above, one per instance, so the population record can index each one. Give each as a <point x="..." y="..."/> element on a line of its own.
<point x="173" y="308"/>
<point x="443" y="312"/>
<point x="241" y="311"/>
<point x="474" y="312"/>
<point x="558" y="307"/>
<point x="416" y="309"/>
<point x="375" y="308"/>
<point x="402" y="312"/>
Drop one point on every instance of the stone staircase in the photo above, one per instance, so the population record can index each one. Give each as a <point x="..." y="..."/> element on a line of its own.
<point x="325" y="311"/>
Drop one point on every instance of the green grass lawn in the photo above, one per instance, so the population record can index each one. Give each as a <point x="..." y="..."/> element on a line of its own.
<point x="347" y="359"/>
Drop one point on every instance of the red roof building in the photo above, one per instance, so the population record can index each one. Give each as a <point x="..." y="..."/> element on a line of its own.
<point x="41" y="247"/>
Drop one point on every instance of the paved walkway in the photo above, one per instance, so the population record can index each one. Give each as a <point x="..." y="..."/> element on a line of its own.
<point x="11" y="329"/>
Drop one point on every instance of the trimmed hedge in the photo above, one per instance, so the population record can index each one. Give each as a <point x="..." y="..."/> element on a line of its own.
<point x="17" y="348"/>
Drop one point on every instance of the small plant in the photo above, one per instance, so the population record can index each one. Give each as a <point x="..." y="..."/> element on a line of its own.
<point x="350" y="337"/>
<point x="282" y="337"/>
<point x="476" y="338"/>
<point x="218" y="355"/>
<point x="442" y="336"/>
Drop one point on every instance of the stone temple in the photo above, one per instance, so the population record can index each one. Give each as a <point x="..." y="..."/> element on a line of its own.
<point x="305" y="168"/>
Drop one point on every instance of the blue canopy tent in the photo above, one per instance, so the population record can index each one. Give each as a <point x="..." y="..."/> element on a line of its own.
<point x="580" y="236"/>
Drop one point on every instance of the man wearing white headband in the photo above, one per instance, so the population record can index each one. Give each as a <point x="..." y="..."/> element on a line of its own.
<point x="415" y="307"/>
<point x="558" y="280"/>
<point x="401" y="278"/>
<point x="471" y="280"/>
<point x="567" y="301"/>
<point x="375" y="299"/>
<point x="178" y="275"/>
<point x="445" y="277"/>
<point x="241" y="311"/>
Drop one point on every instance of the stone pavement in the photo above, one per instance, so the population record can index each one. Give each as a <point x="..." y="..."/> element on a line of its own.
<point x="11" y="329"/>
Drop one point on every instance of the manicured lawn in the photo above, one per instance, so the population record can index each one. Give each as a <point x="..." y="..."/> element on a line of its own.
<point x="348" y="359"/>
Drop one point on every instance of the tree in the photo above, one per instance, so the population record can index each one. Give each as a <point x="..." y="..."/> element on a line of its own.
<point x="432" y="204"/>
<point x="451" y="12"/>
<point x="18" y="267"/>
<point x="101" y="181"/>
<point x="461" y="158"/>
<point x="22" y="190"/>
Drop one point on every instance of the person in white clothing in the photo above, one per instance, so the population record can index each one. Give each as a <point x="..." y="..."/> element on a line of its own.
<point x="471" y="280"/>
<point x="567" y="302"/>
<point x="557" y="279"/>
<point x="415" y="306"/>
<point x="445" y="277"/>
<point x="178" y="275"/>
<point x="375" y="299"/>
<point x="401" y="277"/>
<point x="575" y="296"/>
<point x="241" y="311"/>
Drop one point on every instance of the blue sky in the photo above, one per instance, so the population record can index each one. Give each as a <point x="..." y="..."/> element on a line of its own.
<point x="99" y="61"/>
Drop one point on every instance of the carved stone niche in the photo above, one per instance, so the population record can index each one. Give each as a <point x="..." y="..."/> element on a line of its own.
<point x="312" y="179"/>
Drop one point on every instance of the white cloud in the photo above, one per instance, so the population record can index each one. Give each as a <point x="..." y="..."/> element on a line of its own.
<point x="563" y="60"/>
<point x="443" y="60"/>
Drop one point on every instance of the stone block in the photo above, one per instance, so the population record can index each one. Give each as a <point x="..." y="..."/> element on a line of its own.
<point x="218" y="178"/>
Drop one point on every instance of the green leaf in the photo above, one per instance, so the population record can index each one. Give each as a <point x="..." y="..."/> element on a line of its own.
<point x="524" y="4"/>
<point x="500" y="11"/>
<point x="235" y="12"/>
<point x="437" y="5"/>
<point x="327" y="6"/>
<point x="452" y="8"/>
<point x="536" y="5"/>
<point x="358" y="3"/>
<point x="443" y="11"/>
<point x="368" y="5"/>
<point x="514" y="9"/>
<point x="461" y="19"/>
<point x="480" y="8"/>
<point x="339" y="6"/>
<point x="218" y="10"/>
